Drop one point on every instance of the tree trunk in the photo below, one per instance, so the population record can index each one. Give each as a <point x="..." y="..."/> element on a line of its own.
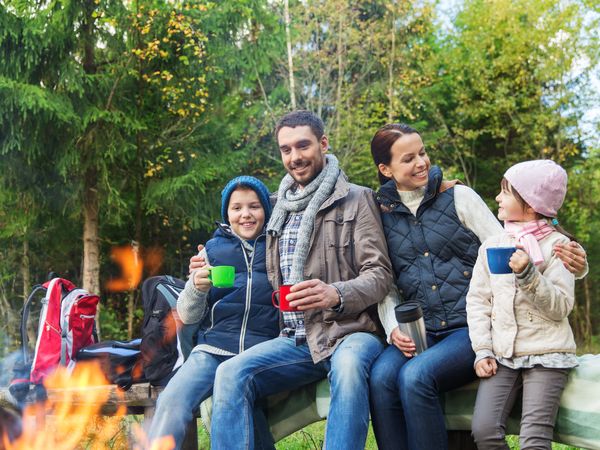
<point x="340" y="80"/>
<point x="91" y="251"/>
<point x="288" y="38"/>
<point x="391" y="112"/>
<point x="25" y="268"/>
<point x="587" y="328"/>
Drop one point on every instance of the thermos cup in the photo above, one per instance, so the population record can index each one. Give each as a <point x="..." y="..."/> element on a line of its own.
<point x="410" y="320"/>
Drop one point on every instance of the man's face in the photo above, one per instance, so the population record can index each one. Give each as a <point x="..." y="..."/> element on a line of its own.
<point x="302" y="154"/>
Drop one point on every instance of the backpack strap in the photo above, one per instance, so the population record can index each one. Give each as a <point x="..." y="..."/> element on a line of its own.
<point x="24" y="319"/>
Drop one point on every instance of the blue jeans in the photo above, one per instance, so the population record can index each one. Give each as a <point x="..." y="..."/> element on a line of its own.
<point x="405" y="407"/>
<point x="190" y="386"/>
<point x="279" y="365"/>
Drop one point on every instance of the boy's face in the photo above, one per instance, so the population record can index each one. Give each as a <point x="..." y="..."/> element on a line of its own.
<point x="245" y="213"/>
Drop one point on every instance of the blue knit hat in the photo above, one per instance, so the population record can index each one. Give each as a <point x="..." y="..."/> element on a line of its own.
<point x="253" y="183"/>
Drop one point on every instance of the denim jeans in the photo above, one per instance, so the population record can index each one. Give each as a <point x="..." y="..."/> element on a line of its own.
<point x="190" y="386"/>
<point x="279" y="365"/>
<point x="405" y="406"/>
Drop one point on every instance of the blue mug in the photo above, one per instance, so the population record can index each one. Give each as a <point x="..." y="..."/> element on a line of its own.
<point x="498" y="258"/>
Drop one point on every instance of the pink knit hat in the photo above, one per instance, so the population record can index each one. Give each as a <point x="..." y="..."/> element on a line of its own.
<point x="542" y="183"/>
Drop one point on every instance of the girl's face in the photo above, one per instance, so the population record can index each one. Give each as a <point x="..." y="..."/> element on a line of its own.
<point x="409" y="165"/>
<point x="245" y="213"/>
<point x="511" y="208"/>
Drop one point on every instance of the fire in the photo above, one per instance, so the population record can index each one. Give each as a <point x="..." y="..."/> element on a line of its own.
<point x="132" y="261"/>
<point x="72" y="417"/>
<point x="127" y="258"/>
<point x="72" y="410"/>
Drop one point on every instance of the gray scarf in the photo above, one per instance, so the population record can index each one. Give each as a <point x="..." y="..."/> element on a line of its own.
<point x="308" y="200"/>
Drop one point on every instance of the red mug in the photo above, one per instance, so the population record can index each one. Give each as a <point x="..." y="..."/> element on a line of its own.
<point x="284" y="304"/>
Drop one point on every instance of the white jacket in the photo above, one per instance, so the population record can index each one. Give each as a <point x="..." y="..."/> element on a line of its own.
<point x="513" y="316"/>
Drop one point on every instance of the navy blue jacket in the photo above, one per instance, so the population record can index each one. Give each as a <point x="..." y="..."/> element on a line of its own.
<point x="241" y="316"/>
<point x="432" y="253"/>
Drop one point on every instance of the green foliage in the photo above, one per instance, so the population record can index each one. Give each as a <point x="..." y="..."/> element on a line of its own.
<point x="152" y="105"/>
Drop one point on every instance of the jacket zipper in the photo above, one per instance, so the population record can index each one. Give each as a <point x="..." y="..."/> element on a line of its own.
<point x="248" y="294"/>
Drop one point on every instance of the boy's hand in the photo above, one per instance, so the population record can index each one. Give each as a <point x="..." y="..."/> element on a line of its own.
<point x="519" y="260"/>
<point x="486" y="367"/>
<point x="201" y="280"/>
<point x="196" y="261"/>
<point x="572" y="255"/>
<point x="403" y="342"/>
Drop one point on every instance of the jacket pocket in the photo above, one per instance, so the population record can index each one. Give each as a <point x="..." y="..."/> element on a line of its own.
<point x="339" y="242"/>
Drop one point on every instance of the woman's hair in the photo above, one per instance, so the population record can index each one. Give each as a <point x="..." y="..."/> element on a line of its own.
<point x="505" y="185"/>
<point x="381" y="144"/>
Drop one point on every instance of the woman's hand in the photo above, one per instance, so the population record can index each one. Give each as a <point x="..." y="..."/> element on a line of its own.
<point x="197" y="261"/>
<point x="404" y="343"/>
<point x="486" y="367"/>
<point x="572" y="255"/>
<point x="201" y="280"/>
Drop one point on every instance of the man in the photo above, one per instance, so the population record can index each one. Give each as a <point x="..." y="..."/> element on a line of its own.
<point x="325" y="238"/>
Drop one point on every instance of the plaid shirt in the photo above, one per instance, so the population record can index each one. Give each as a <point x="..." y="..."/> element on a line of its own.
<point x="293" y="321"/>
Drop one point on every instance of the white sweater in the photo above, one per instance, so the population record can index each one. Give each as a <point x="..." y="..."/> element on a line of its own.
<point x="472" y="212"/>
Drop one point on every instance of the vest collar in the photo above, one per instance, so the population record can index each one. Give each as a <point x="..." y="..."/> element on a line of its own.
<point x="389" y="200"/>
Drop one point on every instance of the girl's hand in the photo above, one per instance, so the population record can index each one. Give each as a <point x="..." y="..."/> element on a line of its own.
<point x="486" y="367"/>
<point x="519" y="260"/>
<point x="572" y="255"/>
<point x="404" y="343"/>
<point x="201" y="280"/>
<point x="197" y="261"/>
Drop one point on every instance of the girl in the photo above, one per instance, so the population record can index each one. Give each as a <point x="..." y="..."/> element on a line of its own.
<point x="433" y="230"/>
<point x="518" y="322"/>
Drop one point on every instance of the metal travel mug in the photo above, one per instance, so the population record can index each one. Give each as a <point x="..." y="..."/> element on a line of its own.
<point x="410" y="320"/>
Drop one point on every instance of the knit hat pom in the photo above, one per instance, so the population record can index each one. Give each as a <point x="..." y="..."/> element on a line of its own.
<point x="249" y="182"/>
<point x="541" y="183"/>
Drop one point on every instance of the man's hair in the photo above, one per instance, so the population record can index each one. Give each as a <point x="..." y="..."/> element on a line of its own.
<point x="301" y="118"/>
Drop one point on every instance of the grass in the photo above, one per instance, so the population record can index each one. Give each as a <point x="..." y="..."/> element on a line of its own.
<point x="311" y="438"/>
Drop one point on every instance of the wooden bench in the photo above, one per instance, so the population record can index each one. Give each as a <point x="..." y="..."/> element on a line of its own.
<point x="578" y="422"/>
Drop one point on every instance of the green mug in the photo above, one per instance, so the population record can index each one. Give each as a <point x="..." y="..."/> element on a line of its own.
<point x="222" y="276"/>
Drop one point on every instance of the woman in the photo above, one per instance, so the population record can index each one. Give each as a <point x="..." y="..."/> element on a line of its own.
<point x="434" y="229"/>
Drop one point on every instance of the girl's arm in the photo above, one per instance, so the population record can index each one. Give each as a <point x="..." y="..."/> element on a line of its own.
<point x="553" y="292"/>
<point x="192" y="304"/>
<point x="479" y="308"/>
<point x="474" y="213"/>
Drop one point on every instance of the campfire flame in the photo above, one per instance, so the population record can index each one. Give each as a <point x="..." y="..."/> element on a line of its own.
<point x="71" y="417"/>
<point x="132" y="260"/>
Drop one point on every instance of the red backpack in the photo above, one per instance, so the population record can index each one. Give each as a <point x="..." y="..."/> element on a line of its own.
<point x="66" y="324"/>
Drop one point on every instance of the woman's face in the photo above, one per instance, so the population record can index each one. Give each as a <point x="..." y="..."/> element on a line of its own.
<point x="409" y="166"/>
<point x="245" y="213"/>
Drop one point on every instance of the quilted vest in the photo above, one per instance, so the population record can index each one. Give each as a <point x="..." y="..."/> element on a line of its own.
<point x="432" y="253"/>
<point x="241" y="316"/>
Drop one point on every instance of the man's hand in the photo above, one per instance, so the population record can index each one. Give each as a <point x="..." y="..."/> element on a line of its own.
<point x="486" y="367"/>
<point x="572" y="255"/>
<point x="403" y="342"/>
<point x="519" y="260"/>
<point x="313" y="294"/>
<point x="196" y="261"/>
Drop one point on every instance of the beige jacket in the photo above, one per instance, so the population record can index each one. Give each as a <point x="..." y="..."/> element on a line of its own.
<point x="514" y="316"/>
<point x="348" y="249"/>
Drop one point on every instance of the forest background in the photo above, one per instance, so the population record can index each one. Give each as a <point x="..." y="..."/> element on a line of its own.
<point x="120" y="121"/>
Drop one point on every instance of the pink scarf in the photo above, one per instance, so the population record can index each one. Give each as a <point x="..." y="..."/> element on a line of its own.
<point x="528" y="234"/>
